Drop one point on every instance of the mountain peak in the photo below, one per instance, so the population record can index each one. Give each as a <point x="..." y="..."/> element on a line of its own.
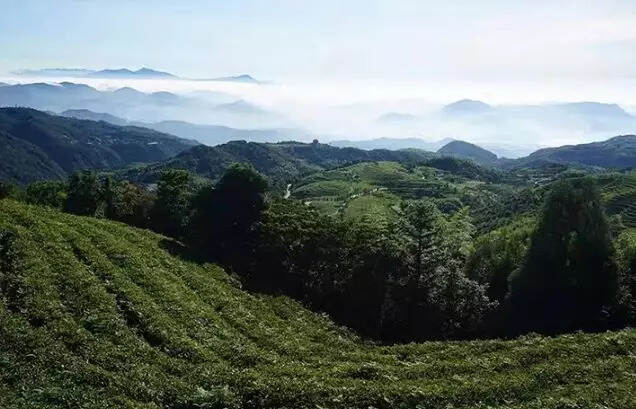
<point x="466" y="106"/>
<point x="468" y="150"/>
<point x="126" y="73"/>
<point x="238" y="78"/>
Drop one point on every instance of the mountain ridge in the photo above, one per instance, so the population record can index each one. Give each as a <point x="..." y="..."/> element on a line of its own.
<point x="43" y="146"/>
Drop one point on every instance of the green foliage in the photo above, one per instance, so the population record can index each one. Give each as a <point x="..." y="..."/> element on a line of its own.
<point x="497" y="254"/>
<point x="9" y="190"/>
<point x="171" y="210"/>
<point x="129" y="203"/>
<point x="38" y="146"/>
<point x="470" y="151"/>
<point x="619" y="193"/>
<point x="107" y="318"/>
<point x="224" y="217"/>
<point x="618" y="152"/>
<point x="47" y="193"/>
<point x="569" y="276"/>
<point x="84" y="194"/>
<point x="626" y="258"/>
<point x="437" y="299"/>
<point x="281" y="163"/>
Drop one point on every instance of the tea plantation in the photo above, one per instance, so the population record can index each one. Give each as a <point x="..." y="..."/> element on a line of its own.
<point x="96" y="314"/>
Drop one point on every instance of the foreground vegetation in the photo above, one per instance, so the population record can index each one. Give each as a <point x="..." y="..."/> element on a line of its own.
<point x="98" y="314"/>
<point x="424" y="270"/>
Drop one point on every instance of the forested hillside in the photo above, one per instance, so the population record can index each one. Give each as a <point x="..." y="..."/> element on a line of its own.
<point x="618" y="152"/>
<point x="280" y="162"/>
<point x="97" y="314"/>
<point x="38" y="146"/>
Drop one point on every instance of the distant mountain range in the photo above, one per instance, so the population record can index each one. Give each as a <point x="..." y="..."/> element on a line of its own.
<point x="105" y="73"/>
<point x="123" y="73"/>
<point x="36" y="145"/>
<point x="514" y="124"/>
<point x="134" y="105"/>
<point x="245" y="78"/>
<point x="210" y="135"/>
<point x="94" y="116"/>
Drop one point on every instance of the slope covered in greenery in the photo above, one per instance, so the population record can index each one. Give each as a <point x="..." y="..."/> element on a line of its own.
<point x="36" y="145"/>
<point x="95" y="314"/>
<point x="280" y="162"/>
<point x="619" y="191"/>
<point x="468" y="150"/>
<point x="376" y="189"/>
<point x="618" y="152"/>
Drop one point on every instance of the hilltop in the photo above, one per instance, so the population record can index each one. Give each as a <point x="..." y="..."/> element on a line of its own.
<point x="468" y="150"/>
<point x="42" y="146"/>
<point x="97" y="314"/>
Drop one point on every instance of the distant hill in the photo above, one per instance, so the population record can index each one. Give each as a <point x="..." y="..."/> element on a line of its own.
<point x="219" y="108"/>
<point x="210" y="135"/>
<point x="216" y="134"/>
<point x="466" y="106"/>
<point x="106" y="73"/>
<point x="126" y="73"/>
<point x="396" y="117"/>
<point x="93" y="116"/>
<point x="618" y="152"/>
<point x="238" y="78"/>
<point x="240" y="107"/>
<point x="393" y="143"/>
<point x="280" y="162"/>
<point x="54" y="72"/>
<point x="36" y="145"/>
<point x="466" y="150"/>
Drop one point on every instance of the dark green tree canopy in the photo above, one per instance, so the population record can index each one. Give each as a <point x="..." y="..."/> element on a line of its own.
<point x="569" y="275"/>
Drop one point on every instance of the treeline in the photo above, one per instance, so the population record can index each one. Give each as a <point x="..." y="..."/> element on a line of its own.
<point x="422" y="276"/>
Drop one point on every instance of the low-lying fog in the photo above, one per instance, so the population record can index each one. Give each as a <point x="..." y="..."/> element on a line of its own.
<point x="518" y="115"/>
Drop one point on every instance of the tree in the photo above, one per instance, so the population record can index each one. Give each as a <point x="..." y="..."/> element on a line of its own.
<point x="224" y="217"/>
<point x="9" y="190"/>
<point x="420" y="225"/>
<point x="435" y="299"/>
<point x="47" y="193"/>
<point x="129" y="203"/>
<point x="84" y="194"/>
<point x="170" y="212"/>
<point x="497" y="254"/>
<point x="569" y="276"/>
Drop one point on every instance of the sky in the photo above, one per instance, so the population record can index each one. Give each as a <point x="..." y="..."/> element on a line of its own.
<point x="328" y="40"/>
<point x="331" y="65"/>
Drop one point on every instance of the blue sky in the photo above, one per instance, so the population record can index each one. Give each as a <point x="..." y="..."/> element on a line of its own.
<point x="279" y="40"/>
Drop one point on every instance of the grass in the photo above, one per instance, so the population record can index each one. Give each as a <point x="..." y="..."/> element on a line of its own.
<point x="101" y="315"/>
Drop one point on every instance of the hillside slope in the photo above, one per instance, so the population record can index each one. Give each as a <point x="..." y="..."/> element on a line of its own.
<point x="95" y="314"/>
<point x="617" y="152"/>
<point x="43" y="146"/>
<point x="465" y="150"/>
<point x="280" y="162"/>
